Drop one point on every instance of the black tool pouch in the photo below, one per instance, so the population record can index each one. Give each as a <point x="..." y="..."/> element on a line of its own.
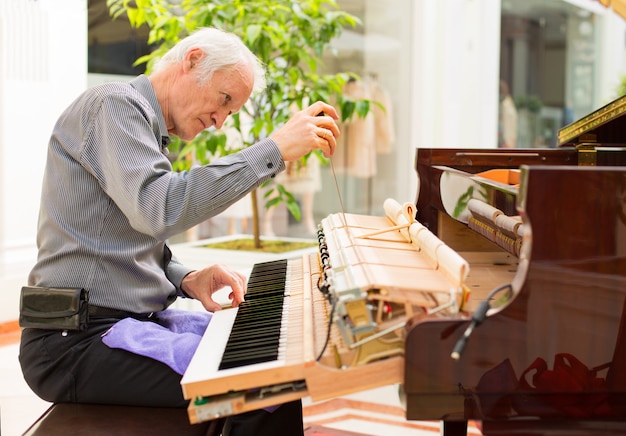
<point x="54" y="308"/>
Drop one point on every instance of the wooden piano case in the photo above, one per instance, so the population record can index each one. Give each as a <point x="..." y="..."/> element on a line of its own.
<point x="550" y="356"/>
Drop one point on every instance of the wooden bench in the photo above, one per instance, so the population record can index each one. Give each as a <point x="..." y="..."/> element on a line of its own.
<point x="96" y="420"/>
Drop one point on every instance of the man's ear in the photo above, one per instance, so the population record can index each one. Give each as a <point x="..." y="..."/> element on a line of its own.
<point x="192" y="57"/>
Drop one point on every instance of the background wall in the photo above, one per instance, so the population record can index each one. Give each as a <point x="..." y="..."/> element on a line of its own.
<point x="454" y="86"/>
<point x="43" y="66"/>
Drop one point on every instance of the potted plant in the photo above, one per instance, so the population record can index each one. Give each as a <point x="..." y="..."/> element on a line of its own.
<point x="289" y="36"/>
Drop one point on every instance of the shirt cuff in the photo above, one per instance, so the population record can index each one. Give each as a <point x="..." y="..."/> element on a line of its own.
<point x="176" y="272"/>
<point x="264" y="158"/>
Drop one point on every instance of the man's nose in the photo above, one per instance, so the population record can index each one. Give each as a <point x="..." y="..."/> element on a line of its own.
<point x="219" y="119"/>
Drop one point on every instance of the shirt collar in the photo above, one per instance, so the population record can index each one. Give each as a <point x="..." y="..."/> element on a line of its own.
<point x="142" y="84"/>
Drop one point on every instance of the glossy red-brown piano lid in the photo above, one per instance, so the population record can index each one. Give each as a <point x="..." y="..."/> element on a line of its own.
<point x="568" y="312"/>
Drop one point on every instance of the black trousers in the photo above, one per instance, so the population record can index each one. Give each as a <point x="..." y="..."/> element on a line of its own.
<point x="77" y="367"/>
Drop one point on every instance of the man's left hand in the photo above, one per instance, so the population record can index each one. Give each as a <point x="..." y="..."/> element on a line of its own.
<point x="202" y="284"/>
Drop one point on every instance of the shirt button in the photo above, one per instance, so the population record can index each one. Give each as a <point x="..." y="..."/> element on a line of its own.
<point x="270" y="165"/>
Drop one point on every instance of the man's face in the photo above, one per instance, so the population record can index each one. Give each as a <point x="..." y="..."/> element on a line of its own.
<point x="194" y="107"/>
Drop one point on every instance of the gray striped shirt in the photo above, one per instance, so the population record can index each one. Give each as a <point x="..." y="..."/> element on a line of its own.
<point x="110" y="199"/>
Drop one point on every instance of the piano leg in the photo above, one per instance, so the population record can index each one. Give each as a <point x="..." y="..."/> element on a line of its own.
<point x="455" y="428"/>
<point x="215" y="427"/>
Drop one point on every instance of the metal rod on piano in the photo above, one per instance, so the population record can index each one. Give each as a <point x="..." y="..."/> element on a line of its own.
<point x="510" y="154"/>
<point x="450" y="303"/>
<point x="388" y="229"/>
<point x="377" y="335"/>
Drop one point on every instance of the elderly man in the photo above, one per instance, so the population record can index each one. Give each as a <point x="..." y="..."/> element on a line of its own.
<point x="110" y="201"/>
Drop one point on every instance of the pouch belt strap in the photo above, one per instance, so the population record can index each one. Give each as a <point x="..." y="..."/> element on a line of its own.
<point x="106" y="312"/>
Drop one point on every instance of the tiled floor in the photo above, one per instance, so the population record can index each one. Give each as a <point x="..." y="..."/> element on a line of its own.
<point x="19" y="407"/>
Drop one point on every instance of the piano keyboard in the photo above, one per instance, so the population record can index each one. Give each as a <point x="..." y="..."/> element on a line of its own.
<point x="261" y="339"/>
<point x="256" y="332"/>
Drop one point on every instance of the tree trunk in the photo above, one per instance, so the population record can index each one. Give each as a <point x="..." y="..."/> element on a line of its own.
<point x="256" y="231"/>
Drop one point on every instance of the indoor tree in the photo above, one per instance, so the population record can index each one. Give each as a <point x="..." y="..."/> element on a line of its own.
<point x="290" y="37"/>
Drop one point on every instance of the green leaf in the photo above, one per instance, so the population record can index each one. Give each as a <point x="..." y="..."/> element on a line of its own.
<point x="294" y="209"/>
<point x="253" y="32"/>
<point x="362" y="108"/>
<point x="268" y="193"/>
<point x="273" y="202"/>
<point x="347" y="110"/>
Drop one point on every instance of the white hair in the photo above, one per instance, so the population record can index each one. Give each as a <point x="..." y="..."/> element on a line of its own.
<point x="222" y="51"/>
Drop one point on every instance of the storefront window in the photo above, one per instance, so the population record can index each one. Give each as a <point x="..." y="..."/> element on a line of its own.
<point x="114" y="45"/>
<point x="366" y="164"/>
<point x="549" y="58"/>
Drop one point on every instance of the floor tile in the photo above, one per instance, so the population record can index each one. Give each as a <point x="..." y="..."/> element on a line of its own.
<point x="19" y="406"/>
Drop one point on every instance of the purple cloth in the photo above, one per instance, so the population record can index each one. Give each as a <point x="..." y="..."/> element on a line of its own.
<point x="171" y="339"/>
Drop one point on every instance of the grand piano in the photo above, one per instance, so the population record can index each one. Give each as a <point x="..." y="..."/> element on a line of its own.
<point x="498" y="296"/>
<point x="540" y="347"/>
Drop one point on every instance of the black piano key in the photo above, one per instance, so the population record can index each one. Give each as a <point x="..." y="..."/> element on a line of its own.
<point x="242" y="357"/>
<point x="248" y="359"/>
<point x="249" y="333"/>
<point x="254" y="320"/>
<point x="263" y="288"/>
<point x="264" y="353"/>
<point x="265" y="340"/>
<point x="267" y="297"/>
<point x="259" y="312"/>
<point x="250" y="324"/>
<point x="259" y="352"/>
